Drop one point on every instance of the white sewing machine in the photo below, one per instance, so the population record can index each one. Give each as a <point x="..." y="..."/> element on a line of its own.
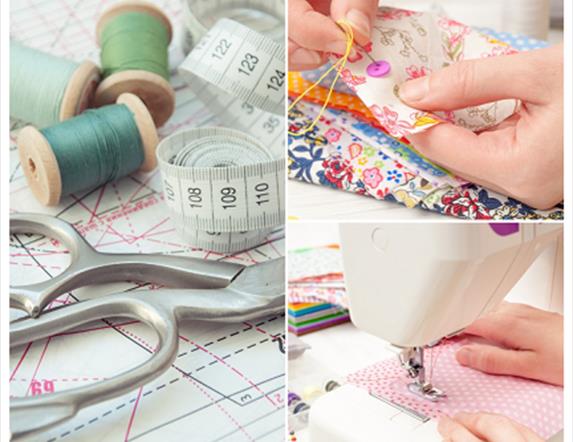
<point x="411" y="285"/>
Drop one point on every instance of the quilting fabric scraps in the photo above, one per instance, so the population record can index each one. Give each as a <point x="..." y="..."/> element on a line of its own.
<point x="534" y="404"/>
<point x="416" y="44"/>
<point x="330" y="155"/>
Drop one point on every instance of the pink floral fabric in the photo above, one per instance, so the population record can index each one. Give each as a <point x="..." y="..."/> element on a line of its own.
<point x="416" y="44"/>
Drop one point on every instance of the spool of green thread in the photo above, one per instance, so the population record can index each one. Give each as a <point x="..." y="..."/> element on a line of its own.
<point x="134" y="37"/>
<point x="94" y="148"/>
<point x="45" y="89"/>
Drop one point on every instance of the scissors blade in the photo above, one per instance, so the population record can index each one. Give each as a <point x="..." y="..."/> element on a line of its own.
<point x="264" y="279"/>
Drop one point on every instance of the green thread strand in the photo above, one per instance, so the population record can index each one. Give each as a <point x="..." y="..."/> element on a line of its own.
<point x="38" y="83"/>
<point x="135" y="41"/>
<point x="96" y="147"/>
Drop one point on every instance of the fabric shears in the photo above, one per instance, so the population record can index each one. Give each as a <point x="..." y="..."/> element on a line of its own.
<point x="199" y="290"/>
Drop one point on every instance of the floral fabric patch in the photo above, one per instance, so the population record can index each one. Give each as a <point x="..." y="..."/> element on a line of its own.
<point x="416" y="44"/>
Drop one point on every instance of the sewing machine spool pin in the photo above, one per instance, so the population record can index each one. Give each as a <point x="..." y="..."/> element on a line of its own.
<point x="412" y="359"/>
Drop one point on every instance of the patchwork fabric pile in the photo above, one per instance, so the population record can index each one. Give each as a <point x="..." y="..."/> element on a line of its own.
<point x="358" y="143"/>
<point x="316" y="295"/>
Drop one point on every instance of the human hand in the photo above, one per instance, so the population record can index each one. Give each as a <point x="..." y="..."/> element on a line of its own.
<point x="526" y="342"/>
<point x="484" y="427"/>
<point x="313" y="32"/>
<point x="523" y="156"/>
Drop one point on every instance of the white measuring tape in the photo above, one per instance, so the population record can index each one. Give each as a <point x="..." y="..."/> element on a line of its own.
<point x="225" y="186"/>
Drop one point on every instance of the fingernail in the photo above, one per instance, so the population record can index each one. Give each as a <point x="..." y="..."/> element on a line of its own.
<point x="359" y="22"/>
<point x="305" y="57"/>
<point x="415" y="90"/>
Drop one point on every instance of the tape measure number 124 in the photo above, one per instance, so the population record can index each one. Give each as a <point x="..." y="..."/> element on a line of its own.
<point x="225" y="185"/>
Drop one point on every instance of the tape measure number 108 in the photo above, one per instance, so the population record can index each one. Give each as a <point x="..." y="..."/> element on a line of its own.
<point x="225" y="186"/>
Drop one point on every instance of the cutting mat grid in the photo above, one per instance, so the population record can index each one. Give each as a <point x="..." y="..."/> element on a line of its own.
<point x="227" y="381"/>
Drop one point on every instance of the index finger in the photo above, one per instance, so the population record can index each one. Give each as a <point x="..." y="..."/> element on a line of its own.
<point x="312" y="30"/>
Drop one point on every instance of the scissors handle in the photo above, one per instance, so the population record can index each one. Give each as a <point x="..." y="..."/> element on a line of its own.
<point x="160" y="309"/>
<point x="31" y="415"/>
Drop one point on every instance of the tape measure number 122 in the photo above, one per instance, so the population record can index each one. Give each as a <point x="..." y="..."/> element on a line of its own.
<point x="225" y="187"/>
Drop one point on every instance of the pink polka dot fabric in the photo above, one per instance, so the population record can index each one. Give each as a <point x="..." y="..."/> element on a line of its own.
<point x="534" y="404"/>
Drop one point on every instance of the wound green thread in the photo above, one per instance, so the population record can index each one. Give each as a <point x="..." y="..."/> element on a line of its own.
<point x="135" y="41"/>
<point x="38" y="82"/>
<point x="96" y="147"/>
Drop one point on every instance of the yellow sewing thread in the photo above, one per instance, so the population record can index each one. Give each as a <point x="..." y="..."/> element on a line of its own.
<point x="339" y="66"/>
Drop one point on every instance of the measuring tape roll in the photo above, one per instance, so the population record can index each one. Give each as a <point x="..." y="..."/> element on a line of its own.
<point x="239" y="73"/>
<point x="235" y="60"/>
<point x="264" y="16"/>
<point x="225" y="189"/>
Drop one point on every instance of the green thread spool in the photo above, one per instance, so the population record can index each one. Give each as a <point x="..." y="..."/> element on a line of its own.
<point x="45" y="89"/>
<point x="134" y="37"/>
<point x="89" y="150"/>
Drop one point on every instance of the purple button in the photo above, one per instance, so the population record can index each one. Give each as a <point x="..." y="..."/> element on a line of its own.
<point x="378" y="68"/>
<point x="504" y="229"/>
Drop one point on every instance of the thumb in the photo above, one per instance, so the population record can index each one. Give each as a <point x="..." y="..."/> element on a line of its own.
<point x="475" y="82"/>
<point x="495" y="360"/>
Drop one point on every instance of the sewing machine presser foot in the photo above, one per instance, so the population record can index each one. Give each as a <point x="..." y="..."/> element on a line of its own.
<point x="412" y="359"/>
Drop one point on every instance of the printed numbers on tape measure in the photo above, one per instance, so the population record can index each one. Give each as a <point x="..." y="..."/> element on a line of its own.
<point x="277" y="80"/>
<point x="248" y="63"/>
<point x="271" y="124"/>
<point x="169" y="191"/>
<point x="194" y="197"/>
<point x="248" y="108"/>
<point x="228" y="197"/>
<point x="221" y="48"/>
<point x="261" y="190"/>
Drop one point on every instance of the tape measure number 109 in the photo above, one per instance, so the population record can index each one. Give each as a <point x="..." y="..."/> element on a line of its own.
<point x="225" y="185"/>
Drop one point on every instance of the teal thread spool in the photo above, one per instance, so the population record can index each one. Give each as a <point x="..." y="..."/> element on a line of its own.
<point x="45" y="89"/>
<point x="84" y="152"/>
<point x="134" y="37"/>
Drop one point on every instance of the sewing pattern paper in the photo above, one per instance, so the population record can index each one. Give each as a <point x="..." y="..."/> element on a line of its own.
<point x="534" y="404"/>
<point x="417" y="44"/>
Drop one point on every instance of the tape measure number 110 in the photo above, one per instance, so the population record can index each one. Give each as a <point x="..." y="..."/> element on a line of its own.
<point x="225" y="185"/>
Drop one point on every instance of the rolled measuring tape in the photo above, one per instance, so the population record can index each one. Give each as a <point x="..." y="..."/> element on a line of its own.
<point x="238" y="72"/>
<point x="45" y="89"/>
<point x="264" y="16"/>
<point x="224" y="188"/>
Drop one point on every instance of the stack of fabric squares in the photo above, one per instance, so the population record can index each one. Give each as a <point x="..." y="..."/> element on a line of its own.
<point x="317" y="298"/>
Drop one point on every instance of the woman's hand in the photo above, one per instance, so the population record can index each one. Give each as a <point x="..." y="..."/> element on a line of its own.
<point x="526" y="342"/>
<point x="523" y="156"/>
<point x="313" y="32"/>
<point x="484" y="427"/>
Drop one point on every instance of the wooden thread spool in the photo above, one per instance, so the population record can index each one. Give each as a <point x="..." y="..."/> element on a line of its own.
<point x="41" y="167"/>
<point x="153" y="89"/>
<point x="33" y="89"/>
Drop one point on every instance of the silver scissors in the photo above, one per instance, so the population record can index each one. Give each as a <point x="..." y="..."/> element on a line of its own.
<point x="204" y="290"/>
